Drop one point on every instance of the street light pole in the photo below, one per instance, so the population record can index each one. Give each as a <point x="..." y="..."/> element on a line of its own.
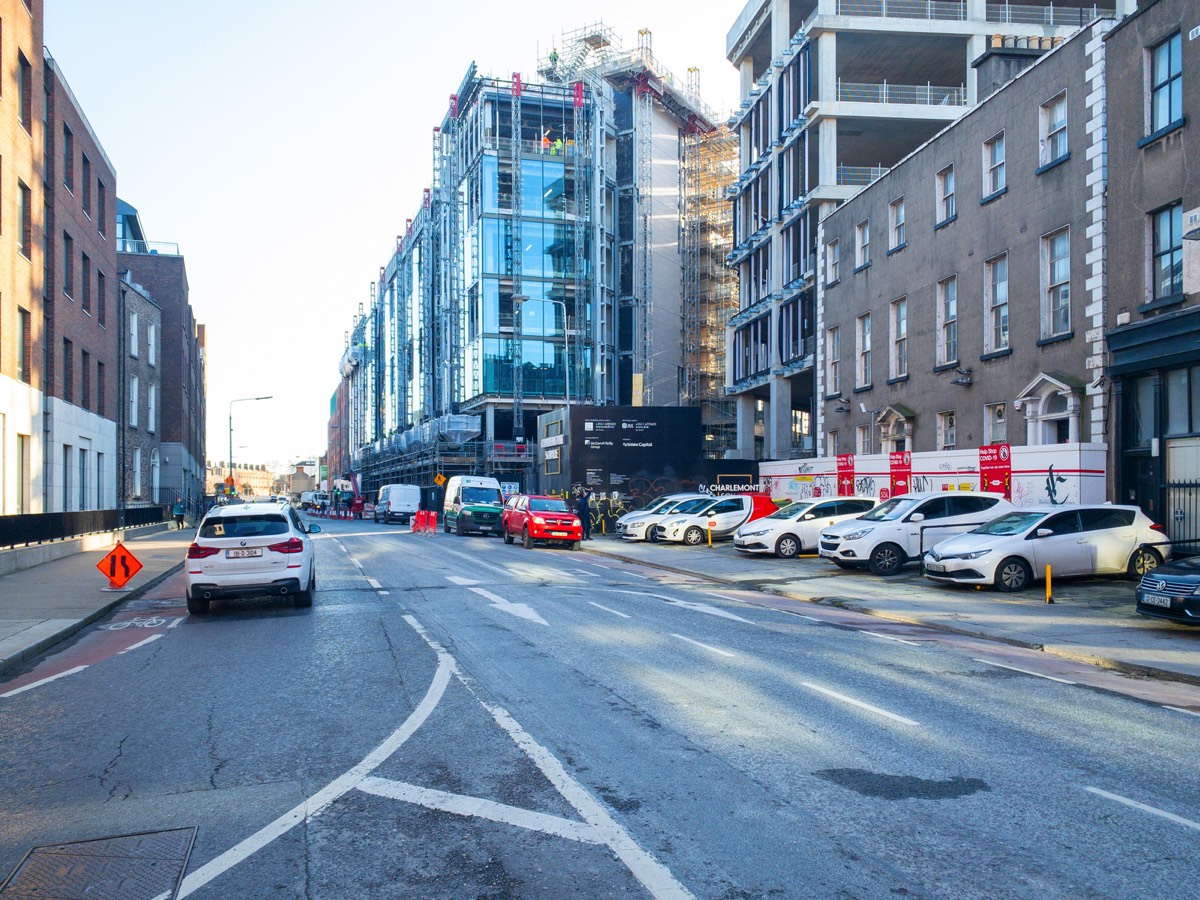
<point x="231" y="402"/>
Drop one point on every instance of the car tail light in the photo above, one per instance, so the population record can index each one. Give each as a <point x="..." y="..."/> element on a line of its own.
<point x="291" y="545"/>
<point x="1157" y="527"/>
<point x="197" y="552"/>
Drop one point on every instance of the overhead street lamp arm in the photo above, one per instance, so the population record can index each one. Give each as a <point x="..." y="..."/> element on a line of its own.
<point x="231" y="402"/>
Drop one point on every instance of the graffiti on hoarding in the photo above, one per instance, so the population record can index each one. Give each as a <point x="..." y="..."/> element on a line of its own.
<point x="864" y="486"/>
<point x="1053" y="480"/>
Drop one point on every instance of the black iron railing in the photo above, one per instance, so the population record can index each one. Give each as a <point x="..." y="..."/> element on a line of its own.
<point x="38" y="528"/>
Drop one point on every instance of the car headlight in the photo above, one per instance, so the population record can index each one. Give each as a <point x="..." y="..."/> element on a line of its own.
<point x="538" y="520"/>
<point x="853" y="535"/>
<point x="974" y="554"/>
<point x="575" y="523"/>
<point x="753" y="533"/>
<point x="671" y="523"/>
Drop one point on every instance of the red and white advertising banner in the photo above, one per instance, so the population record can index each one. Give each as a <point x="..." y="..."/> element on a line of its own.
<point x="900" y="465"/>
<point x="845" y="474"/>
<point x="995" y="469"/>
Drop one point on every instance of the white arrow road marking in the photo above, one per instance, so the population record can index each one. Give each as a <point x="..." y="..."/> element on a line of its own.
<point x="705" y="646"/>
<point x="480" y="808"/>
<point x="1154" y="811"/>
<point x="520" y="610"/>
<point x="687" y="604"/>
<point x="458" y="579"/>
<point x="858" y="703"/>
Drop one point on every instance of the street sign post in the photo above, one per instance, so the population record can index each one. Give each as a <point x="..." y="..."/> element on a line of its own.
<point x="119" y="566"/>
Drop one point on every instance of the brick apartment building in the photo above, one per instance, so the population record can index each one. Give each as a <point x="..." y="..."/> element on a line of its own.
<point x="141" y="395"/>
<point x="23" y="198"/>
<point x="80" y="340"/>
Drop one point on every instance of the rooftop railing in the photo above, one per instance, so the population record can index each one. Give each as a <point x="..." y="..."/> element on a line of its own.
<point x="945" y="10"/>
<point x="150" y="248"/>
<point x="929" y="94"/>
<point x="1048" y="14"/>
<point x="860" y="176"/>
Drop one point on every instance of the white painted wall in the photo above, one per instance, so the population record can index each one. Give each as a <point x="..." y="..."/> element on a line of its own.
<point x="20" y="413"/>
<point x="79" y="428"/>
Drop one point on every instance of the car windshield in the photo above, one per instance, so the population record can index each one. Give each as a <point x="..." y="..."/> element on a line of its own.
<point x="794" y="511"/>
<point x="691" y="506"/>
<point x="1010" y="523"/>
<point x="890" y="511"/>
<point x="482" y="495"/>
<point x="243" y="526"/>
<point x="548" y="505"/>
<point x="660" y="503"/>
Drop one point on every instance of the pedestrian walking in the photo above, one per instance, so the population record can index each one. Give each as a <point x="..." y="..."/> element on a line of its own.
<point x="177" y="512"/>
<point x="584" y="510"/>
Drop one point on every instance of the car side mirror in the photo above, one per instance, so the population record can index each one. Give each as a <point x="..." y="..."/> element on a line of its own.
<point x="917" y="517"/>
<point x="808" y="516"/>
<point x="1045" y="532"/>
<point x="314" y="529"/>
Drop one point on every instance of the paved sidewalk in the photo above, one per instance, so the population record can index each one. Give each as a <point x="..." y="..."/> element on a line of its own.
<point x="1091" y="620"/>
<point x="42" y="605"/>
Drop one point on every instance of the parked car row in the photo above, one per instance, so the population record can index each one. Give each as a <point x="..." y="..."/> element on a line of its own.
<point x="959" y="537"/>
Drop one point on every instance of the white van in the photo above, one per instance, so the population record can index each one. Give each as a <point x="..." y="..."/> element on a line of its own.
<point x="397" y="503"/>
<point x="473" y="503"/>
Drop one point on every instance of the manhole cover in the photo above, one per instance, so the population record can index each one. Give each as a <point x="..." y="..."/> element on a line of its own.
<point x="126" y="866"/>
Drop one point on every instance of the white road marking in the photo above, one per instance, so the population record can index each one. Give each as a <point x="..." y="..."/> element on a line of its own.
<point x="176" y="622"/>
<point x="888" y="637"/>
<point x="520" y="610"/>
<point x="461" y="581"/>
<point x="480" y="808"/>
<point x="695" y="607"/>
<point x="373" y="583"/>
<point x="705" y="646"/>
<point x="31" y="686"/>
<point x="383" y="594"/>
<point x="1154" y="811"/>
<point x="613" y="611"/>
<point x="356" y="562"/>
<point x="1024" y="671"/>
<point x="859" y="703"/>
<point x="810" y="618"/>
<point x="153" y="637"/>
<point x="599" y="566"/>
<point x="653" y="875"/>
<point x="336" y="788"/>
<point x="1190" y="712"/>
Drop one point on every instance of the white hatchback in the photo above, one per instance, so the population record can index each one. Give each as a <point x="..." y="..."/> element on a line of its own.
<point x="640" y="525"/>
<point x="797" y="528"/>
<point x="1012" y="551"/>
<point x="901" y="529"/>
<point x="247" y="549"/>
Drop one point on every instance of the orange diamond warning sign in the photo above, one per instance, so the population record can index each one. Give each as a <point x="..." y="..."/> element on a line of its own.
<point x="119" y="566"/>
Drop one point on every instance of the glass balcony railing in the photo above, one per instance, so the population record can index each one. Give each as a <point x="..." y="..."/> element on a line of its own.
<point x="150" y="248"/>
<point x="928" y="94"/>
<point x="1048" y="14"/>
<point x="944" y="10"/>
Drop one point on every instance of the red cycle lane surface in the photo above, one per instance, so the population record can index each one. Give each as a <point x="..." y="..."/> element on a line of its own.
<point x="135" y="624"/>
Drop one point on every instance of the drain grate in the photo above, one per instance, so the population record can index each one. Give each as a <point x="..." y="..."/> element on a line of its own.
<point x="126" y="866"/>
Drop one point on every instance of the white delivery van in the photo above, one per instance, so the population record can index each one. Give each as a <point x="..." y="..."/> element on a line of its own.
<point x="473" y="503"/>
<point x="397" y="503"/>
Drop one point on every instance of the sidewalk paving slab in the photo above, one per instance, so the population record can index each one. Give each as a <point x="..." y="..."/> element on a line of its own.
<point x="42" y="605"/>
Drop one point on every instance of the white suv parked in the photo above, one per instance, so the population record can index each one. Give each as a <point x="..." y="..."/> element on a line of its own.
<point x="250" y="548"/>
<point x="640" y="525"/>
<point x="903" y="528"/>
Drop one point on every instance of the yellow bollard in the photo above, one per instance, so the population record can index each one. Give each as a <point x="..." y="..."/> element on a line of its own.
<point x="710" y="538"/>
<point x="602" y="531"/>
<point x="1049" y="593"/>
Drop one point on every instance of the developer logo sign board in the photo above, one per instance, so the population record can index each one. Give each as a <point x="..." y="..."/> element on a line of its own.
<point x="995" y="469"/>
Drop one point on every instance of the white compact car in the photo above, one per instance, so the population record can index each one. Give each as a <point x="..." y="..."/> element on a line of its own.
<point x="640" y="525"/>
<point x="797" y="528"/>
<point x="901" y="529"/>
<point x="720" y="516"/>
<point x="1012" y="551"/>
<point x="248" y="549"/>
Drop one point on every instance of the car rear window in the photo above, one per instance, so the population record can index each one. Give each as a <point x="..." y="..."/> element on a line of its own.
<point x="243" y="526"/>
<point x="548" y="506"/>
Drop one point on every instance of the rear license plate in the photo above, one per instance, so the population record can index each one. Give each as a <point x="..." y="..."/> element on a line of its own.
<point x="934" y="567"/>
<point x="1156" y="600"/>
<point x="242" y="554"/>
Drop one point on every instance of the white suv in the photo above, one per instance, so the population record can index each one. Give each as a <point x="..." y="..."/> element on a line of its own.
<point x="247" y="549"/>
<point x="904" y="527"/>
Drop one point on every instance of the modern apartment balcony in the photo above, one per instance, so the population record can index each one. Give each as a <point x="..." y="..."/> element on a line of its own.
<point x="906" y="94"/>
<point x="148" y="248"/>
<point x="860" y="176"/>
<point x="929" y="10"/>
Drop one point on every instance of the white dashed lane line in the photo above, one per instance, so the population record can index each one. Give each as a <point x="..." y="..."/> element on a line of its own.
<point x="704" y="646"/>
<point x="375" y="584"/>
<point x="888" y="637"/>
<point x="867" y="706"/>
<point x="1024" y="671"/>
<point x="613" y="611"/>
<point x="1152" y="810"/>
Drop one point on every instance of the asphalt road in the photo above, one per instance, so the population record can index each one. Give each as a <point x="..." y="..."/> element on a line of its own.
<point x="458" y="717"/>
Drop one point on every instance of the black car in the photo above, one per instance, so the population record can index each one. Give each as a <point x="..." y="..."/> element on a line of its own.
<point x="1172" y="591"/>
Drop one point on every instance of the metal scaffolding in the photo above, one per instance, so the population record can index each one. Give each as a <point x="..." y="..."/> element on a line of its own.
<point x="709" y="163"/>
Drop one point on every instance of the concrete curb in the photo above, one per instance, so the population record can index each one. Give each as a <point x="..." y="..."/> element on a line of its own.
<point x="41" y="646"/>
<point x="851" y="605"/>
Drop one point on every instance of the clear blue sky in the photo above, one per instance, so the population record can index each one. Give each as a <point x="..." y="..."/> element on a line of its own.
<point x="282" y="144"/>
